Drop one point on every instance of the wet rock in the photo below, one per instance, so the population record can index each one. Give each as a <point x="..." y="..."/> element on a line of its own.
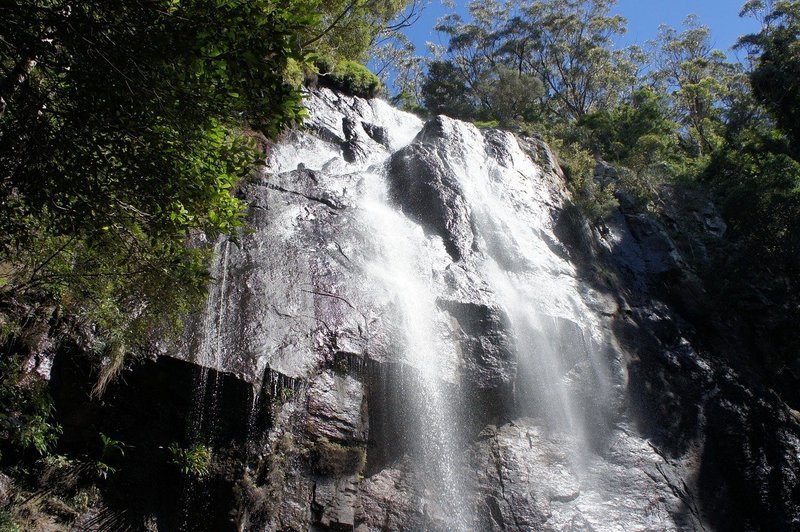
<point x="377" y="133"/>
<point x="389" y="501"/>
<point x="335" y="407"/>
<point x="428" y="190"/>
<point x="520" y="473"/>
<point x="531" y="479"/>
<point x="489" y="357"/>
<point x="335" y="501"/>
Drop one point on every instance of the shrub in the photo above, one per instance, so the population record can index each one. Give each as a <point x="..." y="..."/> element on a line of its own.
<point x="110" y="448"/>
<point x="26" y="409"/>
<point x="294" y="74"/>
<point x="194" y="460"/>
<point x="594" y="199"/>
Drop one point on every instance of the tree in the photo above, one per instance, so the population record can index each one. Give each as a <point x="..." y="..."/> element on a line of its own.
<point x="512" y="97"/>
<point x="776" y="76"/>
<point x="348" y="28"/>
<point x="561" y="54"/>
<point x="123" y="137"/>
<point x="696" y="76"/>
<point x="755" y="177"/>
<point x="568" y="44"/>
<point x="445" y="92"/>
<point x="473" y="55"/>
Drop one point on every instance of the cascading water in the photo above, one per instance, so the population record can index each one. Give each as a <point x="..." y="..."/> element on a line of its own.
<point x="534" y="285"/>
<point x="404" y="267"/>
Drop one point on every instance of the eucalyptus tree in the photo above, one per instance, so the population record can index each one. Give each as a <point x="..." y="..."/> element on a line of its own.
<point x="776" y="76"/>
<point x="569" y="45"/>
<point x="562" y="52"/>
<point x="348" y="28"/>
<point x="472" y="57"/>
<point x="697" y="77"/>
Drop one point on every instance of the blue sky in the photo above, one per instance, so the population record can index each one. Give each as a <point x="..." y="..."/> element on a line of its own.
<point x="644" y="17"/>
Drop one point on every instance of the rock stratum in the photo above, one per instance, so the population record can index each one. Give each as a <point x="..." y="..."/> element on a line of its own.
<point x="418" y="332"/>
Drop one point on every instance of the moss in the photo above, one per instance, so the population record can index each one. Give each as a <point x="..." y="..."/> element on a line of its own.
<point x="331" y="458"/>
<point x="348" y="77"/>
<point x="486" y="124"/>
<point x="8" y="523"/>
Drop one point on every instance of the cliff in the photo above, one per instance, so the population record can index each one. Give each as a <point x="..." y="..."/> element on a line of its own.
<point x="417" y="331"/>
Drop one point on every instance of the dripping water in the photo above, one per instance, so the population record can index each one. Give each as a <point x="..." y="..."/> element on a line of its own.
<point x="208" y="356"/>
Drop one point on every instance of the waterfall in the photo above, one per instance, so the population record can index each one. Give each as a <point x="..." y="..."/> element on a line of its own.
<point x="404" y="302"/>
<point x="533" y="284"/>
<point x="209" y="355"/>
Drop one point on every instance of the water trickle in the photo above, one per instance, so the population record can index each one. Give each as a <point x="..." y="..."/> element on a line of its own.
<point x="202" y="422"/>
<point x="210" y="352"/>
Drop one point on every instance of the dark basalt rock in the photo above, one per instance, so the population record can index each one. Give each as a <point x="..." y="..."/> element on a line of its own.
<point x="490" y="361"/>
<point x="428" y="191"/>
<point x="151" y="407"/>
<point x="377" y="133"/>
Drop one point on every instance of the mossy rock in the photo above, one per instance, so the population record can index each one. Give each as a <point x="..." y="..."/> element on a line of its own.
<point x="348" y="77"/>
<point x="331" y="458"/>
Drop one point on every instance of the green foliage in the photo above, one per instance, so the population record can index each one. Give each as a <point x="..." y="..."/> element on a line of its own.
<point x="619" y="132"/>
<point x="774" y="77"/>
<point x="348" y="77"/>
<point x="294" y="74"/>
<point x="512" y="97"/>
<point x="194" y="460"/>
<point x="525" y="60"/>
<point x="444" y="92"/>
<point x="7" y="522"/>
<point x="758" y="182"/>
<point x="110" y="448"/>
<point x="286" y="394"/>
<point x="594" y="199"/>
<point x="120" y="136"/>
<point x="638" y="138"/>
<point x="26" y="410"/>
<point x="347" y="28"/>
<point x="756" y="179"/>
<point x="697" y="78"/>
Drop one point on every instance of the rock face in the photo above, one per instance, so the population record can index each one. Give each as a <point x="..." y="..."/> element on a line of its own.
<point x="434" y="340"/>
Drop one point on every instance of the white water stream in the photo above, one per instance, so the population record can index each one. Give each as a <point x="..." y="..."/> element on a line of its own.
<point x="404" y="266"/>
